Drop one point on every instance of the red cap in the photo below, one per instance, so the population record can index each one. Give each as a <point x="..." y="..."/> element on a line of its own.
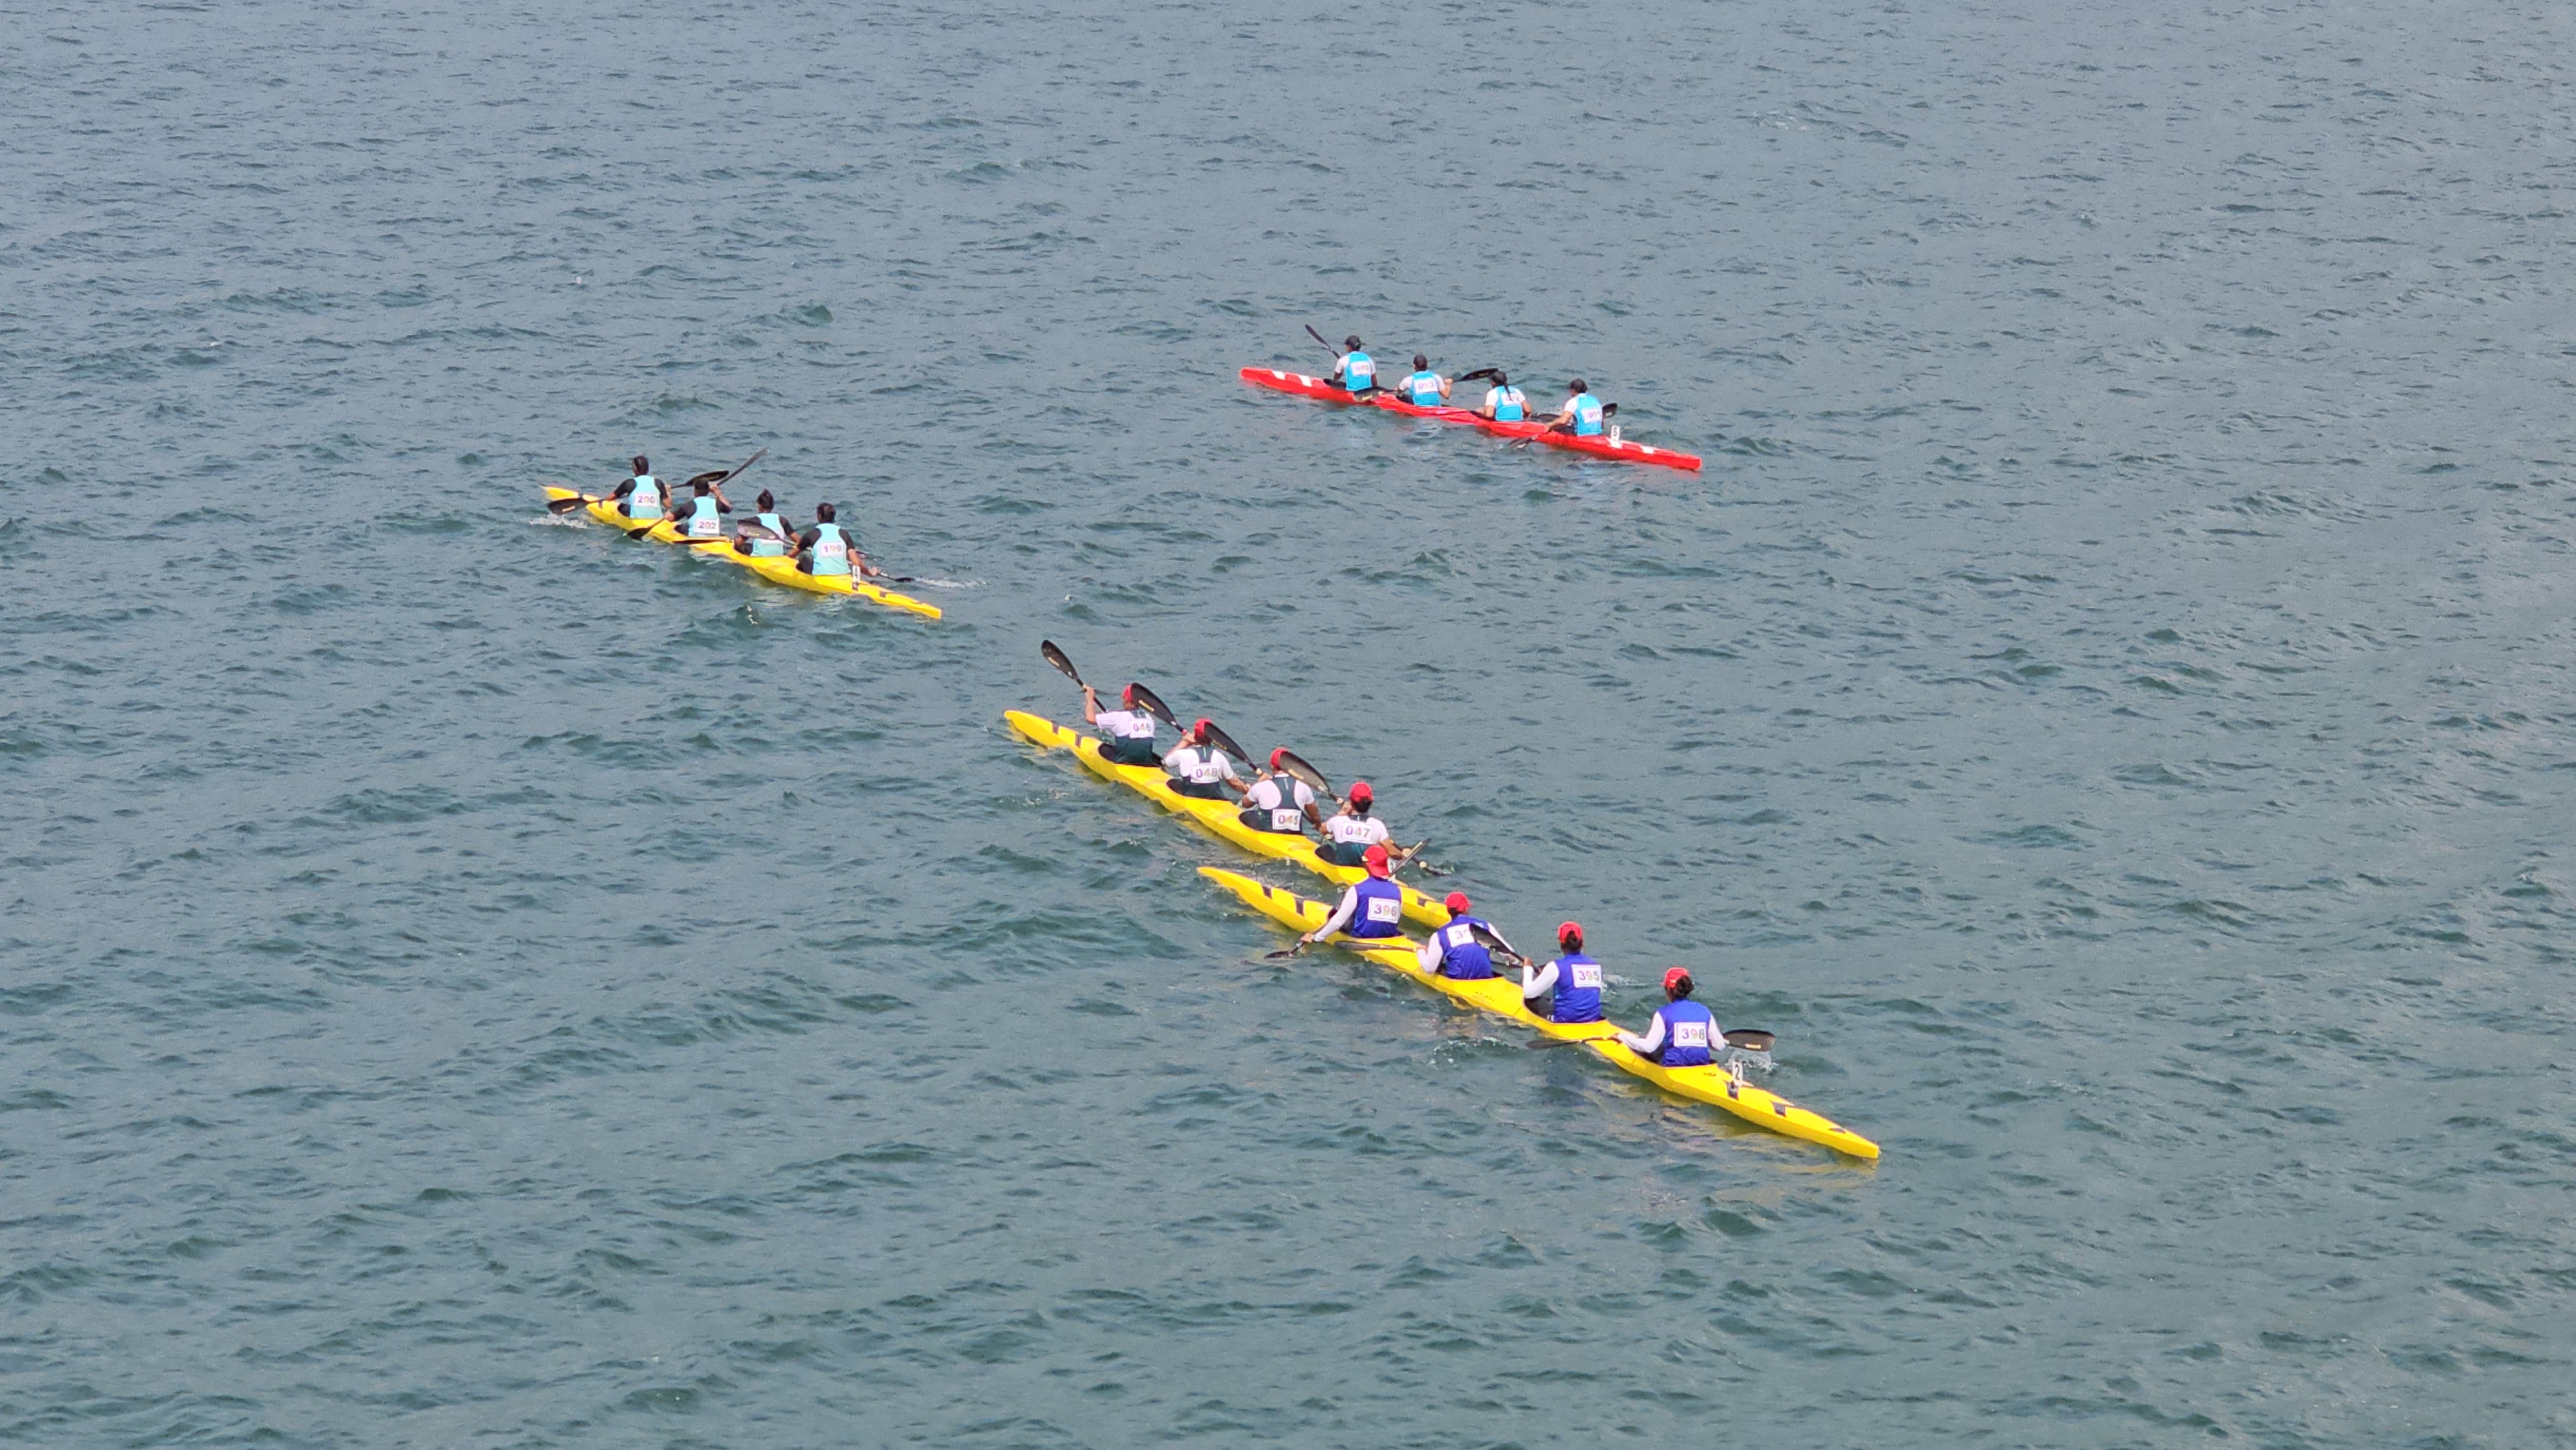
<point x="1199" y="728"/>
<point x="1571" y="931"/>
<point x="1127" y="697"/>
<point x="1375" y="859"/>
<point x="1457" y="902"/>
<point x="1676" y="976"/>
<point x="1274" y="756"/>
<point x="1361" y="793"/>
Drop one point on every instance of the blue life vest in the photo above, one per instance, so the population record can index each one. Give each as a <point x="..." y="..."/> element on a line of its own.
<point x="1425" y="389"/>
<point x="1578" y="989"/>
<point x="1357" y="372"/>
<point x="1587" y="415"/>
<point x="770" y="548"/>
<point x="1462" y="957"/>
<point x="646" y="501"/>
<point x="1509" y="405"/>
<point x="831" y="551"/>
<point x="1690" y="1034"/>
<point x="703" y="523"/>
<point x="1381" y="909"/>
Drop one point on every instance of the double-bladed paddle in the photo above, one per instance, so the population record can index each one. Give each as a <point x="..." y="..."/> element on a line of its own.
<point x="1313" y="779"/>
<point x="1056" y="657"/>
<point x="567" y="505"/>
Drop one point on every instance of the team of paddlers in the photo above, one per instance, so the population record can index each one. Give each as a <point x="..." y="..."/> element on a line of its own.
<point x="1283" y="799"/>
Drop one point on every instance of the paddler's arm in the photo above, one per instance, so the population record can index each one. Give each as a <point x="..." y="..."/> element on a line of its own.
<point x="1648" y="1045"/>
<point x="1537" y="980"/>
<point x="1090" y="707"/>
<point x="1340" y="918"/>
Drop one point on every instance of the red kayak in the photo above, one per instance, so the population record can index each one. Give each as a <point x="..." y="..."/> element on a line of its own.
<point x="1323" y="390"/>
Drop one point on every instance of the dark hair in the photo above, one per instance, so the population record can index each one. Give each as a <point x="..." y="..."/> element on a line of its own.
<point x="825" y="513"/>
<point x="1502" y="379"/>
<point x="702" y="485"/>
<point x="641" y="466"/>
<point x="1581" y="386"/>
<point x="1420" y="361"/>
<point x="1680" y="989"/>
<point x="1351" y="341"/>
<point x="767" y="501"/>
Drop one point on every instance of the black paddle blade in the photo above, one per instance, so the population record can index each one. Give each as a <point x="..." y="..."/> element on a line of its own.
<point x="1478" y="376"/>
<point x="565" y="505"/>
<point x="1225" y="742"/>
<point x="1609" y="410"/>
<point x="715" y="475"/>
<point x="1319" y="337"/>
<point x="739" y="467"/>
<point x="1048" y="652"/>
<point x="1283" y="952"/>
<point x="639" y="533"/>
<point x="1751" y="1039"/>
<point x="1295" y="764"/>
<point x="1154" y="706"/>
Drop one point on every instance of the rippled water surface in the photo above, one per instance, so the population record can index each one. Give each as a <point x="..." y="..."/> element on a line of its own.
<point x="472" y="980"/>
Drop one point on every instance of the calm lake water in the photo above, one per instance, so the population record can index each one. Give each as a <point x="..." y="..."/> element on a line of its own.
<point x="472" y="980"/>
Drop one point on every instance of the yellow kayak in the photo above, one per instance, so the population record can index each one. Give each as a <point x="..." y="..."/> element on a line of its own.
<point x="1501" y="997"/>
<point x="776" y="571"/>
<point x="1220" y="818"/>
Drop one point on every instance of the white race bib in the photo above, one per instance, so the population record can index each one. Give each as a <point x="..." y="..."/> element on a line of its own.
<point x="1384" y="909"/>
<point x="1690" y="1034"/>
<point x="1587" y="976"/>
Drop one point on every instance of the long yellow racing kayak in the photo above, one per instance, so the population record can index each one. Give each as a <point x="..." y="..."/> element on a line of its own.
<point x="1220" y="818"/>
<point x="1501" y="997"/>
<point x="775" y="570"/>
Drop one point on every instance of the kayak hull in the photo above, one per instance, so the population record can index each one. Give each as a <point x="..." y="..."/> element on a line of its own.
<point x="1218" y="818"/>
<point x="775" y="570"/>
<point x="1501" y="997"/>
<point x="1324" y="390"/>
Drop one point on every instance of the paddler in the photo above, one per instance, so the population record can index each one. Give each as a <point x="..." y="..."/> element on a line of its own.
<point x="757" y="547"/>
<point x="645" y="497"/>
<point x="825" y="550"/>
<point x="1198" y="768"/>
<point x="1567" y="989"/>
<point x="1355" y="370"/>
<point x="1350" y="831"/>
<point x="1581" y="415"/>
<point x="703" y="518"/>
<point x="1458" y="951"/>
<point x="1126" y="733"/>
<point x="1280" y="803"/>
<point x="1503" y="402"/>
<point x="1422" y="387"/>
<point x="1683" y="1034"/>
<point x="1372" y="907"/>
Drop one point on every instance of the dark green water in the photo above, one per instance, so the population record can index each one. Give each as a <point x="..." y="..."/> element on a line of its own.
<point x="471" y="980"/>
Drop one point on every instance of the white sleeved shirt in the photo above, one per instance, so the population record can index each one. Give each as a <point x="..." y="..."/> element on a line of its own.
<point x="1360" y="830"/>
<point x="1125" y="724"/>
<point x="1267" y="794"/>
<point x="1342" y="914"/>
